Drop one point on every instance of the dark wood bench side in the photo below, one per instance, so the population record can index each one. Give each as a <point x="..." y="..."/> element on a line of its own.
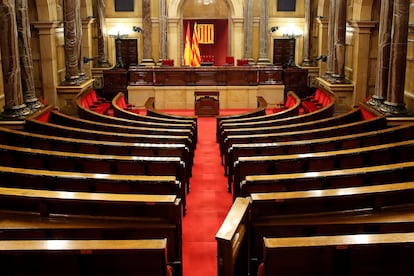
<point x="232" y="240"/>
<point x="357" y="255"/>
<point x="85" y="257"/>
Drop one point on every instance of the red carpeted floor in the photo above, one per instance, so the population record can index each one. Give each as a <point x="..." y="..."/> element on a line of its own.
<point x="207" y="204"/>
<point x="208" y="201"/>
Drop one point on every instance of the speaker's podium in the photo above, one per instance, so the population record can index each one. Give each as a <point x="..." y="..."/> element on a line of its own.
<point x="206" y="103"/>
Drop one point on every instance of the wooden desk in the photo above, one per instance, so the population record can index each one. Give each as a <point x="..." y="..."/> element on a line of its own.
<point x="206" y="103"/>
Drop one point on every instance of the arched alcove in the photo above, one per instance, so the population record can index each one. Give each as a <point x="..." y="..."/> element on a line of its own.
<point x="176" y="28"/>
<point x="213" y="20"/>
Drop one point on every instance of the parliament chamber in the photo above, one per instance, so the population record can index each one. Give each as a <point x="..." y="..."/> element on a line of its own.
<point x="207" y="137"/>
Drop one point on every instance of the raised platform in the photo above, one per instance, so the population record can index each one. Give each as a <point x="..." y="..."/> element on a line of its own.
<point x="182" y="97"/>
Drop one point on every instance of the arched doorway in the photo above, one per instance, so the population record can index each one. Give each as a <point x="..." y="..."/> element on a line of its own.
<point x="228" y="13"/>
<point x="211" y="17"/>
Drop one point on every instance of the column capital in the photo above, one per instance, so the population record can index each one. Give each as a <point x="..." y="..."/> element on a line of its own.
<point x="363" y="26"/>
<point x="45" y="27"/>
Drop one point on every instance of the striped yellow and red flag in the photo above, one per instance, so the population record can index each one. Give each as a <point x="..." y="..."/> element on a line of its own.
<point x="196" y="60"/>
<point x="188" y="54"/>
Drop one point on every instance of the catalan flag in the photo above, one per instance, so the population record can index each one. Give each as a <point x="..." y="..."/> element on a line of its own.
<point x="196" y="60"/>
<point x="188" y="54"/>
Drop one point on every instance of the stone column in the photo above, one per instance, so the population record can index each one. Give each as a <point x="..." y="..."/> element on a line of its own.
<point x="102" y="35"/>
<point x="264" y="33"/>
<point x="361" y="58"/>
<point x="323" y="47"/>
<point x="14" y="108"/>
<point x="331" y="23"/>
<point x="308" y="60"/>
<point x="72" y="44"/>
<point x="163" y="30"/>
<point x="48" y="59"/>
<point x="248" y="30"/>
<point x="394" y="105"/>
<point x="146" y="33"/>
<point x="338" y="73"/>
<point x="383" y="59"/>
<point x="79" y="36"/>
<point x="26" y="59"/>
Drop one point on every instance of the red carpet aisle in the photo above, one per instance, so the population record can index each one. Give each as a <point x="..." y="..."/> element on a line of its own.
<point x="207" y="204"/>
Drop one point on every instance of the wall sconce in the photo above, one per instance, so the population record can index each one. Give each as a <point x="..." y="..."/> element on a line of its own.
<point x="136" y="29"/>
<point x="291" y="31"/>
<point x="274" y="29"/>
<point x="118" y="33"/>
<point x="322" y="58"/>
<point x="87" y="59"/>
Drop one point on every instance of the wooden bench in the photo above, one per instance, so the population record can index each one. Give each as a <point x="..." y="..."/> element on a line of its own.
<point x="86" y="113"/>
<point x="365" y="209"/>
<point x="59" y="118"/>
<point x="354" y="115"/>
<point x="30" y="158"/>
<point x="91" y="182"/>
<point x="36" y="126"/>
<point x="269" y="120"/>
<point x="85" y="257"/>
<point x="50" y="213"/>
<point x="258" y="116"/>
<point x="39" y="141"/>
<point x="321" y="161"/>
<point x="356" y="255"/>
<point x="338" y="130"/>
<point x="372" y="175"/>
<point x="363" y="139"/>
<point x="122" y="113"/>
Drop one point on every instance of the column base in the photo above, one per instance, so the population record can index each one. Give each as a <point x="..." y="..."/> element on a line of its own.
<point x="15" y="113"/>
<point x="376" y="101"/>
<point x="147" y="62"/>
<point x="394" y="109"/>
<point x="263" y="61"/>
<point x="308" y="63"/>
<point x="103" y="64"/>
<point x="33" y="104"/>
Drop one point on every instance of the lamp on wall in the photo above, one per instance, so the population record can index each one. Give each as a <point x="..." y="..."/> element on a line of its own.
<point x="136" y="29"/>
<point x="118" y="33"/>
<point x="273" y="29"/>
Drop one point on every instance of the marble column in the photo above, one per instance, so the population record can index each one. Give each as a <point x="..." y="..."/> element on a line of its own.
<point x="248" y="30"/>
<point x="79" y="35"/>
<point x="147" y="33"/>
<point x="331" y="28"/>
<point x="308" y="60"/>
<point x="102" y="61"/>
<point x="14" y="108"/>
<point x="26" y="58"/>
<point x="338" y="72"/>
<point x="394" y="104"/>
<point x="48" y="59"/>
<point x="163" y="30"/>
<point x="383" y="59"/>
<point x="72" y="42"/>
<point x="264" y="33"/>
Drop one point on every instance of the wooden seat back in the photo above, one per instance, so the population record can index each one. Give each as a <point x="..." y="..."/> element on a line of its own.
<point x="85" y="257"/>
<point x="357" y="255"/>
<point x="322" y="161"/>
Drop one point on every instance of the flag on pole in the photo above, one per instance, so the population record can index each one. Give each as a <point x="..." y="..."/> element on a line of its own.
<point x="188" y="54"/>
<point x="195" y="49"/>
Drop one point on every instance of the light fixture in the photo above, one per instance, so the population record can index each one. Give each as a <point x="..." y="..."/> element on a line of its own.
<point x="322" y="58"/>
<point x="136" y="29"/>
<point x="274" y="29"/>
<point x="118" y="33"/>
<point x="205" y="2"/>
